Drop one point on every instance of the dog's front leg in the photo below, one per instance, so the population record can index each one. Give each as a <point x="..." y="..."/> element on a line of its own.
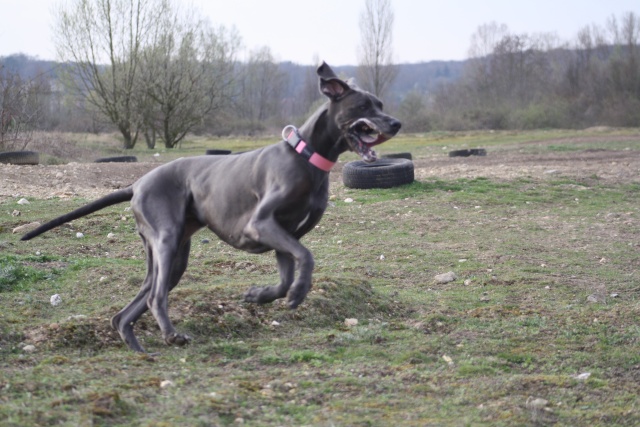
<point x="263" y="228"/>
<point x="263" y="295"/>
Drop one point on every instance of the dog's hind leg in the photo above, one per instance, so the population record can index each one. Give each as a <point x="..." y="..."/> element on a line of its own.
<point x="262" y="295"/>
<point x="123" y="321"/>
<point x="169" y="265"/>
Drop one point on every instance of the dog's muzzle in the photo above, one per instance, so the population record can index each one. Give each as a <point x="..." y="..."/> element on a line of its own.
<point x="362" y="135"/>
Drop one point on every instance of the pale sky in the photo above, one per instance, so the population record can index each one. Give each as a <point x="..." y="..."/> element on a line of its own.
<point x="301" y="30"/>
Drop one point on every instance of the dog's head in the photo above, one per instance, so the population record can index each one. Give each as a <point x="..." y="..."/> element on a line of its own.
<point x="357" y="113"/>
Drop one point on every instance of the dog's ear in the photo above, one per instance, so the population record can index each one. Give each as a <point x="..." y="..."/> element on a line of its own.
<point x="330" y="85"/>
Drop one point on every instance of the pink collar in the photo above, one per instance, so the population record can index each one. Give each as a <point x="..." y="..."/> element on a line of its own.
<point x="291" y="135"/>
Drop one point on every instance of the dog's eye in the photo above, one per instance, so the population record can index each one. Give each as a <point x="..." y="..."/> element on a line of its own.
<point x="363" y="107"/>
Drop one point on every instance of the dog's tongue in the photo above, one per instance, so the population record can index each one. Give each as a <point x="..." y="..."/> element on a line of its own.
<point x="367" y="153"/>
<point x="369" y="156"/>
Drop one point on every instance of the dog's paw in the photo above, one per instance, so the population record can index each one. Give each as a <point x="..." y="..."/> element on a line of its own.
<point x="295" y="301"/>
<point x="263" y="295"/>
<point x="252" y="295"/>
<point x="177" y="339"/>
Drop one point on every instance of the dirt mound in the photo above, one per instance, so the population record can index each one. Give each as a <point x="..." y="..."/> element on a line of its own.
<point x="212" y="315"/>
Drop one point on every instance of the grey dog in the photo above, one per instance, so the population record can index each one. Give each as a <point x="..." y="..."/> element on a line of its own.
<point x="257" y="201"/>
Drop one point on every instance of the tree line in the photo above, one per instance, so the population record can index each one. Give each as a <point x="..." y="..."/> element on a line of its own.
<point x="155" y="73"/>
<point x="526" y="81"/>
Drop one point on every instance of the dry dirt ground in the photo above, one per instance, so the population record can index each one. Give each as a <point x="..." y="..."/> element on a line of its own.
<point x="92" y="180"/>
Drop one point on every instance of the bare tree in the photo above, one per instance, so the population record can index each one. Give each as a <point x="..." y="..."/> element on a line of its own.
<point x="260" y="87"/>
<point x="376" y="69"/>
<point x="100" y="41"/>
<point x="187" y="74"/>
<point x="20" y="108"/>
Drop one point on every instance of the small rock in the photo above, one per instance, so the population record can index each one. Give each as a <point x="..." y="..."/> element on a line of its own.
<point x="56" y="300"/>
<point x="447" y="359"/>
<point x="110" y="236"/>
<point x="614" y="295"/>
<point x="166" y="384"/>
<point x="446" y="277"/>
<point x="156" y="155"/>
<point x="467" y="282"/>
<point x="275" y="323"/>
<point x="351" y="322"/>
<point x="583" y="376"/>
<point x="23" y="201"/>
<point x="537" y="403"/>
<point x="29" y="348"/>
<point x="77" y="317"/>
<point x="205" y="241"/>
<point x="15" y="213"/>
<point x="79" y="235"/>
<point x="348" y="200"/>
<point x="594" y="298"/>
<point x="26" y="227"/>
<point x="381" y="257"/>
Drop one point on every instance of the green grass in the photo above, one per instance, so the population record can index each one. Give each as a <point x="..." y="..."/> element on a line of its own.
<point x="515" y="326"/>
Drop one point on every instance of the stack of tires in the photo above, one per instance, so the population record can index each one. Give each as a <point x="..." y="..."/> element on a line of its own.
<point x="389" y="171"/>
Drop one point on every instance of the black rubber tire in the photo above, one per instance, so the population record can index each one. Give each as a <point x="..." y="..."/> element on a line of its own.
<point x="407" y="156"/>
<point x="218" y="152"/>
<point x="117" y="159"/>
<point x="469" y="152"/>
<point x="383" y="173"/>
<point x="20" y="157"/>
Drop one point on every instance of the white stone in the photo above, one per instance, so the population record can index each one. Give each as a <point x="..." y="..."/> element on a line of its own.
<point x="351" y="322"/>
<point x="446" y="277"/>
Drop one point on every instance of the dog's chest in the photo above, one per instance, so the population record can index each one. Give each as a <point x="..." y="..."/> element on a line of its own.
<point x="304" y="221"/>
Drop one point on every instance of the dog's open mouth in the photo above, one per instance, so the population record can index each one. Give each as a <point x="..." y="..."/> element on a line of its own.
<point x="363" y="135"/>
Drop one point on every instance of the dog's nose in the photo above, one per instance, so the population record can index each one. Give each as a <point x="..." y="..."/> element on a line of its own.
<point x="395" y="125"/>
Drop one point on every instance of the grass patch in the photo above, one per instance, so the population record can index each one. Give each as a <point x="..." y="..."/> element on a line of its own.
<point x="21" y="276"/>
<point x="545" y="306"/>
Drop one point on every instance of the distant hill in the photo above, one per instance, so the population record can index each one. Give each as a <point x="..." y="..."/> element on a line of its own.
<point x="423" y="77"/>
<point x="26" y="66"/>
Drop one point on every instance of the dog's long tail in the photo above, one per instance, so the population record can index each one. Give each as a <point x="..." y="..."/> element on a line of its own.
<point x="116" y="197"/>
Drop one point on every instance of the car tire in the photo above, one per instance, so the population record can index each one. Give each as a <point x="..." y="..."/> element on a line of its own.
<point x="407" y="156"/>
<point x="218" y="152"/>
<point x="20" y="157"/>
<point x="117" y="159"/>
<point x="383" y="173"/>
<point x="469" y="152"/>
